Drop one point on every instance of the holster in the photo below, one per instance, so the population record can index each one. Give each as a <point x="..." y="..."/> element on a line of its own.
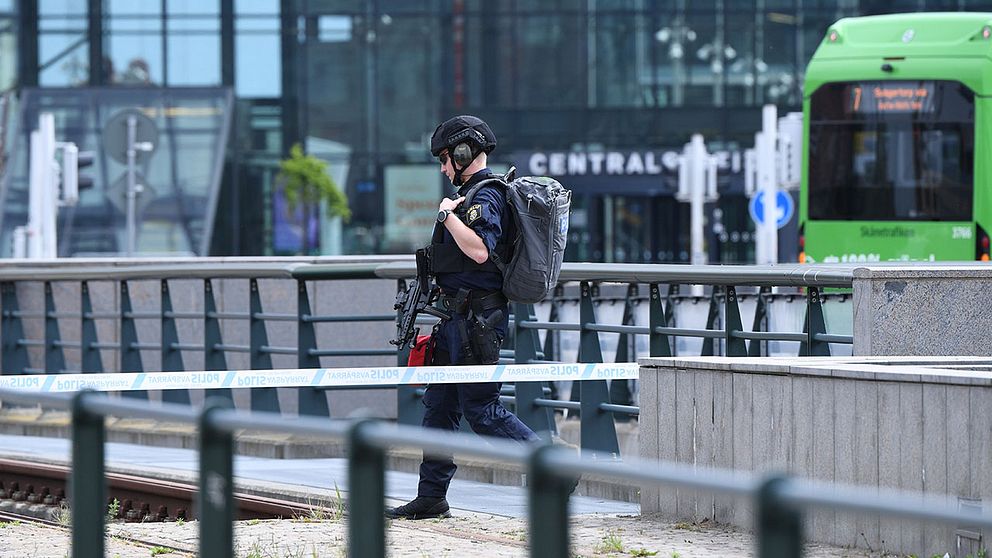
<point x="485" y="339"/>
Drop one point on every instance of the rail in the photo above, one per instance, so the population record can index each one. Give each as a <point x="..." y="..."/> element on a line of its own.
<point x="780" y="502"/>
<point x="125" y="331"/>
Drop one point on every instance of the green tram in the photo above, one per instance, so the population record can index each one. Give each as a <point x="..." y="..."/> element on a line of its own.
<point x="897" y="157"/>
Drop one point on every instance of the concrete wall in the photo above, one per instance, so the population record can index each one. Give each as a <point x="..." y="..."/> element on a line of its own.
<point x="909" y="424"/>
<point x="346" y="297"/>
<point x="926" y="309"/>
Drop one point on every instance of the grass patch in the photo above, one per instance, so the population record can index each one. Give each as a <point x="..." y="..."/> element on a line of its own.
<point x="113" y="509"/>
<point x="610" y="543"/>
<point x="63" y="515"/>
<point x="323" y="511"/>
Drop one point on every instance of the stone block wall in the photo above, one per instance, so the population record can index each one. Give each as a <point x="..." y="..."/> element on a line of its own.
<point x="906" y="423"/>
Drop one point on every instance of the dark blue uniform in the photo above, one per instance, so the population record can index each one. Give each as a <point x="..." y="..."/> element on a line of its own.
<point x="479" y="402"/>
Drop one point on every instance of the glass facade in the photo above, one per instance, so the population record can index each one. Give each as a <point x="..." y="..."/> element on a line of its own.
<point x="8" y="45"/>
<point x="179" y="176"/>
<point x="363" y="83"/>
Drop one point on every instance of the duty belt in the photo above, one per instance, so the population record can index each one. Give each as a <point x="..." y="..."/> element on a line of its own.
<point x="478" y="301"/>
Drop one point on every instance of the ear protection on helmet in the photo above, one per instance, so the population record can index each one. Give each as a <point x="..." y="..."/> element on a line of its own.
<point x="463" y="152"/>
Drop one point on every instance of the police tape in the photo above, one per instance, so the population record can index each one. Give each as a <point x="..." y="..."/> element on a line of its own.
<point x="318" y="377"/>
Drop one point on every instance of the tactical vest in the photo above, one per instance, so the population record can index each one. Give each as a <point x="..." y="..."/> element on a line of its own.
<point x="447" y="257"/>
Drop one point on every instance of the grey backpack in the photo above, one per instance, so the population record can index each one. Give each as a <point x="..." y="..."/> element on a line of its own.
<point x="539" y="206"/>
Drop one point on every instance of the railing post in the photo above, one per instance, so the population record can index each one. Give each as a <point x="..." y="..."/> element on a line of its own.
<point x="552" y="338"/>
<point x="525" y="341"/>
<point x="671" y="319"/>
<point x="814" y="325"/>
<point x="172" y="358"/>
<point x="216" y="498"/>
<point x="779" y="526"/>
<point x="626" y="352"/>
<point x="312" y="401"/>
<point x="598" y="432"/>
<point x="539" y="419"/>
<point x="366" y="494"/>
<point x="711" y="319"/>
<point x="88" y="490"/>
<point x="760" y="314"/>
<point x="589" y="347"/>
<point x="548" y="518"/>
<point x="262" y="398"/>
<point x="130" y="355"/>
<point x="213" y="358"/>
<point x="732" y="312"/>
<point x="658" y="342"/>
<point x="91" y="361"/>
<point x="54" y="357"/>
<point x="15" y="355"/>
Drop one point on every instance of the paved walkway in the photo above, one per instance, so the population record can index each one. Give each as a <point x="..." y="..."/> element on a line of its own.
<point x="323" y="474"/>
<point x="489" y="520"/>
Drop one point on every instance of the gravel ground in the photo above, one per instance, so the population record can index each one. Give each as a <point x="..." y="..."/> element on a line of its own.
<point x="463" y="535"/>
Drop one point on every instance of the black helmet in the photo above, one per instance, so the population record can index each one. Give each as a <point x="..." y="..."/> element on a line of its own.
<point x="463" y="129"/>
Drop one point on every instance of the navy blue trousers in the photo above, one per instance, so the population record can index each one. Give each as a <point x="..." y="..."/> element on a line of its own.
<point x="446" y="403"/>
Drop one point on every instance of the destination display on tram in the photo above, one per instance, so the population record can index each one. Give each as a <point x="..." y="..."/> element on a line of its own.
<point x="891" y="97"/>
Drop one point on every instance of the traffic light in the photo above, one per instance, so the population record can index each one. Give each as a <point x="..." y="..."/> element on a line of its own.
<point x="73" y="161"/>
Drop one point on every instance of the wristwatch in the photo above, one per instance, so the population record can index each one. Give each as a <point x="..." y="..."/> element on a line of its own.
<point x="442" y="215"/>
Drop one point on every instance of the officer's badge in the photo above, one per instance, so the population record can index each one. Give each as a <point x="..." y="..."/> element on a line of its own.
<point x="473" y="214"/>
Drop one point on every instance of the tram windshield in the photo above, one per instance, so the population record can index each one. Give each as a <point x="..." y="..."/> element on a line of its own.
<point x="891" y="151"/>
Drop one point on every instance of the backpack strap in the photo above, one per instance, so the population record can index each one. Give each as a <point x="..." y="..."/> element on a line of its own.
<point x="500" y="181"/>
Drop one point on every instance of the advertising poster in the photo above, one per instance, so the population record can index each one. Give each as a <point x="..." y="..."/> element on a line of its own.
<point x="412" y="195"/>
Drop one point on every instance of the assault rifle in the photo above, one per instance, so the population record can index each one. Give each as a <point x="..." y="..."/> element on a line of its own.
<point x="418" y="298"/>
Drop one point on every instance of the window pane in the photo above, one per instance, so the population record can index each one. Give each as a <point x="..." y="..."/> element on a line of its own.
<point x="194" y="59"/>
<point x="8" y="46"/>
<point x="256" y="7"/>
<point x="258" y="58"/>
<point x="551" y="52"/>
<point x="621" y="70"/>
<point x="62" y="9"/>
<point x="136" y="58"/>
<point x="193" y="56"/>
<point x="193" y="7"/>
<point x="64" y="59"/>
<point x="134" y="42"/>
<point x="130" y="8"/>
<point x="407" y="91"/>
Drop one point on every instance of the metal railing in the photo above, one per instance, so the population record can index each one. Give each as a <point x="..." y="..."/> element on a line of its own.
<point x="780" y="501"/>
<point x="597" y="402"/>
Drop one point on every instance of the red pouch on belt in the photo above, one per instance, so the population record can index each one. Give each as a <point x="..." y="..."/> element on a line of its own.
<point x="422" y="351"/>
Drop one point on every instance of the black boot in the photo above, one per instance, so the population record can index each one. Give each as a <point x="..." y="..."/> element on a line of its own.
<point x="422" y="507"/>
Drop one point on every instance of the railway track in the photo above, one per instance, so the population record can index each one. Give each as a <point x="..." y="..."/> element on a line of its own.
<point x="40" y="490"/>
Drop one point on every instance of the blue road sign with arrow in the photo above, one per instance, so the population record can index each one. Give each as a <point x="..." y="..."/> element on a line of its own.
<point x="785" y="208"/>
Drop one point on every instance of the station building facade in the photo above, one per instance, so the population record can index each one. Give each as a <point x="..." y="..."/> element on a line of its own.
<point x="602" y="94"/>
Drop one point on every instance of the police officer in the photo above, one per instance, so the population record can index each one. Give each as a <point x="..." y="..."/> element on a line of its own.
<point x="471" y="287"/>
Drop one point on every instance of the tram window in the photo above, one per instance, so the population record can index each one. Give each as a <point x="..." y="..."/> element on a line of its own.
<point x="891" y="151"/>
